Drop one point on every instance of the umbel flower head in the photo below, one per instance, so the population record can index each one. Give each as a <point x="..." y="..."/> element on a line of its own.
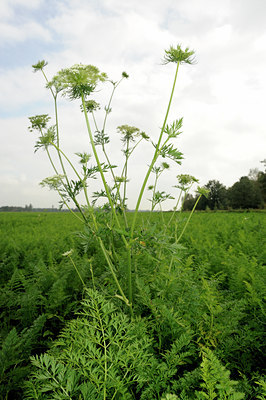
<point x="91" y="105"/>
<point x="128" y="133"/>
<point x="77" y="81"/>
<point x="185" y="179"/>
<point x="38" y="122"/>
<point x="177" y="55"/>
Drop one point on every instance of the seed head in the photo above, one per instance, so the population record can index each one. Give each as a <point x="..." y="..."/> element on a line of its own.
<point x="165" y="165"/>
<point x="177" y="55"/>
<point x="204" y="191"/>
<point x="144" y="135"/>
<point x="39" y="66"/>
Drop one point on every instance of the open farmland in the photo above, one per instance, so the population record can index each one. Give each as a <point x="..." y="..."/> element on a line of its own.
<point x="199" y="316"/>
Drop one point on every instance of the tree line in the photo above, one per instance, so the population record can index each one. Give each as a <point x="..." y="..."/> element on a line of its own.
<point x="248" y="192"/>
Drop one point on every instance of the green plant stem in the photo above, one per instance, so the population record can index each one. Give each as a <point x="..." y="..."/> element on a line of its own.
<point x="110" y="265"/>
<point x="56" y="124"/>
<point x="107" y="110"/>
<point x="76" y="203"/>
<point x="90" y="208"/>
<point x="129" y="279"/>
<point x="49" y="156"/>
<point x="59" y="385"/>
<point x="153" y="205"/>
<point x="112" y="172"/>
<point x="101" y="171"/>
<point x="104" y="151"/>
<point x="123" y="174"/>
<point x="109" y="103"/>
<point x="175" y="210"/>
<point x="57" y="137"/>
<point x="161" y="213"/>
<point x="77" y="271"/>
<point x="109" y="262"/>
<point x="190" y="215"/>
<point x="117" y="187"/>
<point x="156" y="154"/>
<point x="98" y="161"/>
<point x="178" y="200"/>
<point x="58" y="144"/>
<point x="74" y="199"/>
<point x="92" y="275"/>
<point x="125" y="182"/>
<point x="69" y="209"/>
<point x="95" y="123"/>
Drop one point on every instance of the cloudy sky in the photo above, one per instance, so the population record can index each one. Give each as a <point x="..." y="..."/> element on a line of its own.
<point x="221" y="97"/>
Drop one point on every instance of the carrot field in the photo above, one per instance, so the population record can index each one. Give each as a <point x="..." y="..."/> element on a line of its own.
<point x="199" y="317"/>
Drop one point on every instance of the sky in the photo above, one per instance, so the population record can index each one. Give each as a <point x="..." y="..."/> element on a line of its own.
<point x="221" y="97"/>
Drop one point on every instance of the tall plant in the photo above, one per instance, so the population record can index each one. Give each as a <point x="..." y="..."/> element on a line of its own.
<point x="79" y="83"/>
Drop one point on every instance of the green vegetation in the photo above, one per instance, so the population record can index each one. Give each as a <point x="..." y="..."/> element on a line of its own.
<point x="121" y="305"/>
<point x="198" y="330"/>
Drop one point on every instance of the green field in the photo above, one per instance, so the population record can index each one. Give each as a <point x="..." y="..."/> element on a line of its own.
<point x="199" y="309"/>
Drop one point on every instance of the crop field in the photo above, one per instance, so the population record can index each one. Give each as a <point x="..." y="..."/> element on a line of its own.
<point x="198" y="326"/>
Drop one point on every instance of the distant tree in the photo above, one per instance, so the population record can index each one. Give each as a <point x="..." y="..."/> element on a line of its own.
<point x="217" y="198"/>
<point x="245" y="194"/>
<point x="11" y="209"/>
<point x="261" y="181"/>
<point x="259" y="178"/>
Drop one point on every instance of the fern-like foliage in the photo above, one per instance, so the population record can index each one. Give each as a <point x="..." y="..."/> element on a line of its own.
<point x="14" y="353"/>
<point x="262" y="385"/>
<point x="216" y="380"/>
<point x="99" y="355"/>
<point x="54" y="378"/>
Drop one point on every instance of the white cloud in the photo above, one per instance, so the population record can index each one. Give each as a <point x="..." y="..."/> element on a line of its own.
<point x="8" y="7"/>
<point x="22" y="32"/>
<point x="17" y="26"/>
<point x="19" y="88"/>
